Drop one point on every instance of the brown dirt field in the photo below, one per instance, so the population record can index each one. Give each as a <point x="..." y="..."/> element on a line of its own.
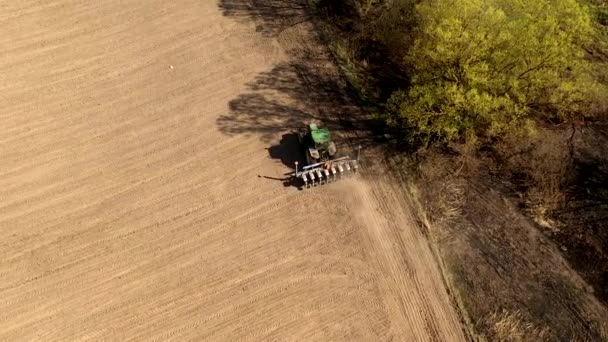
<point x="130" y="210"/>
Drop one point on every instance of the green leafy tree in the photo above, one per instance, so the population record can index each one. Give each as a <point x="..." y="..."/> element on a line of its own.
<point x="481" y="68"/>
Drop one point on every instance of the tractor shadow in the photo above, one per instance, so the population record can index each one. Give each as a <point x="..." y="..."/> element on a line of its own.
<point x="288" y="151"/>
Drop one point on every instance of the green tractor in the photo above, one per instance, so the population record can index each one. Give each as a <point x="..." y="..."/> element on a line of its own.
<point x="317" y="143"/>
<point x="322" y="164"/>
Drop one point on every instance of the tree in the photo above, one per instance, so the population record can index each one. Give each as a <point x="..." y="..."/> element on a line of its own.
<point x="481" y="68"/>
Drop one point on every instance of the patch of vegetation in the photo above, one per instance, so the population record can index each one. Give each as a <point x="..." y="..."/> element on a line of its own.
<point x="352" y="73"/>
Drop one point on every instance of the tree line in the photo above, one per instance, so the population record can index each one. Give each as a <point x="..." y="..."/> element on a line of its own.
<point x="485" y="69"/>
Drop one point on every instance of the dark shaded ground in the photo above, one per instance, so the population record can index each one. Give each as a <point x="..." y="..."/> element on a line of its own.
<point x="579" y="223"/>
<point x="301" y="99"/>
<point x="500" y="260"/>
<point x="271" y="16"/>
<point x="585" y="217"/>
<point x="288" y="150"/>
<point x="385" y="76"/>
<point x="376" y="42"/>
<point x="553" y="274"/>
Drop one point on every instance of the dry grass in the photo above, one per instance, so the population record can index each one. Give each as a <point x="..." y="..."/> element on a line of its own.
<point x="488" y="259"/>
<point x="548" y="168"/>
<point x="539" y="167"/>
<point x="444" y="188"/>
<point x="512" y="327"/>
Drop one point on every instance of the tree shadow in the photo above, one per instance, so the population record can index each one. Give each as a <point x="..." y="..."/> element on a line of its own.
<point x="286" y="98"/>
<point x="384" y="75"/>
<point x="271" y="17"/>
<point x="260" y="115"/>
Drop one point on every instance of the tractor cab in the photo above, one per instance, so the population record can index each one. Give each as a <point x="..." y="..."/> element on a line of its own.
<point x="318" y="144"/>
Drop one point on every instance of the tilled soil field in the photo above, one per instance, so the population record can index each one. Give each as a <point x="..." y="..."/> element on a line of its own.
<point x="131" y="208"/>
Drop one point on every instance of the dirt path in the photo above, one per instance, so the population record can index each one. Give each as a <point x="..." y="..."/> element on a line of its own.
<point x="138" y="199"/>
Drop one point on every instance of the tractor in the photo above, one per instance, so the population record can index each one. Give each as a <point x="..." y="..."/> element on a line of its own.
<point x="322" y="164"/>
